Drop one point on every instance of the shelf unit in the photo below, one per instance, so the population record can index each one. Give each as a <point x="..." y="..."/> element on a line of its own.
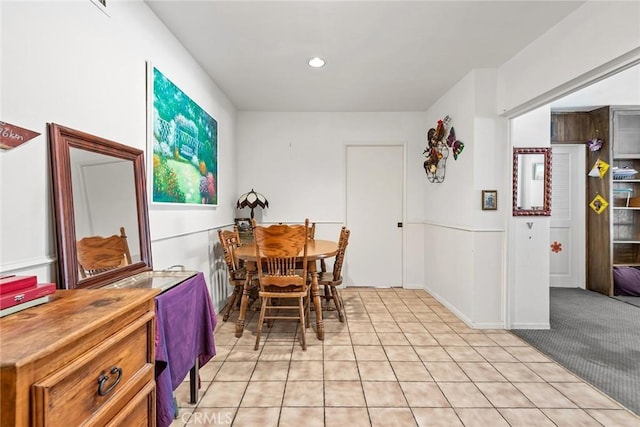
<point x="613" y="236"/>
<point x="625" y="215"/>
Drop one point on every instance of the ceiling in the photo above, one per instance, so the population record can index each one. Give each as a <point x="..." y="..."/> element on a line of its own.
<point x="381" y="56"/>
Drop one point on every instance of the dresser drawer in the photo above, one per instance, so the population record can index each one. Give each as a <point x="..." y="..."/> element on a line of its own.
<point x="97" y="378"/>
<point x="140" y="410"/>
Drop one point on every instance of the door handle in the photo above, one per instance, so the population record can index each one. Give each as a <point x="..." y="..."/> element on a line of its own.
<point x="399" y="225"/>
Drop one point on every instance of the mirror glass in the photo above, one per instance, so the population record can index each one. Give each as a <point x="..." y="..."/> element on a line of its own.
<point x="531" y="181"/>
<point x="98" y="187"/>
<point x="101" y="186"/>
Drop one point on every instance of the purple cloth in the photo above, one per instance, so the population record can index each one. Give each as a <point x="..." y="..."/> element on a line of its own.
<point x="185" y="321"/>
<point x="626" y="281"/>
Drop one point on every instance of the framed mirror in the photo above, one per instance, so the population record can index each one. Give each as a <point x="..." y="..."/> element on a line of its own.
<point x="532" y="181"/>
<point x="98" y="189"/>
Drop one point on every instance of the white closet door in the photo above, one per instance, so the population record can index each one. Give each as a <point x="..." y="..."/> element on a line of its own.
<point x="374" y="194"/>
<point x="567" y="230"/>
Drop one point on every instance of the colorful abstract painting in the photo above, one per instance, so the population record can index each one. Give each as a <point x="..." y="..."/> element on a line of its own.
<point x="185" y="147"/>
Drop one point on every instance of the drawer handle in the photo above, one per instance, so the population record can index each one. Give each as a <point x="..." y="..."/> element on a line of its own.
<point x="102" y="380"/>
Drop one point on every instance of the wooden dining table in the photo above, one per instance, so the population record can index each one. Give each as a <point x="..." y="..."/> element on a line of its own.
<point x="316" y="250"/>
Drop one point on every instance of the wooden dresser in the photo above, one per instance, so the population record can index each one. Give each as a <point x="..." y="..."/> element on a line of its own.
<point x="86" y="357"/>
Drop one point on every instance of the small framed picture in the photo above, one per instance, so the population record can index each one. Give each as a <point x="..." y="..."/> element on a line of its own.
<point x="244" y="225"/>
<point x="489" y="200"/>
<point x="244" y="229"/>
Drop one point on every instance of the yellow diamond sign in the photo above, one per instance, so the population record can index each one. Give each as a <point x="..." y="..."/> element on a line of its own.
<point x="598" y="204"/>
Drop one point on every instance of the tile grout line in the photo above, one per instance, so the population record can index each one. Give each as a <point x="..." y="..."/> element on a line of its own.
<point x="520" y="359"/>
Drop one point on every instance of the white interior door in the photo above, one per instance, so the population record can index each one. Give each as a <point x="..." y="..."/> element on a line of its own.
<point x="374" y="203"/>
<point x="567" y="229"/>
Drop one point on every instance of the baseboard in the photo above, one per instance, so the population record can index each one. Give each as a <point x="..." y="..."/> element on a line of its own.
<point x="465" y="319"/>
<point x="488" y="325"/>
<point x="451" y="308"/>
<point x="530" y="326"/>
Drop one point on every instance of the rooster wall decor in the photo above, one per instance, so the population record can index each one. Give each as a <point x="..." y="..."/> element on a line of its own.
<point x="437" y="150"/>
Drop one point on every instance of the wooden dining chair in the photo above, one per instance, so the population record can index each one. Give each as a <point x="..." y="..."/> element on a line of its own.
<point x="97" y="254"/>
<point x="229" y="241"/>
<point x="311" y="235"/>
<point x="332" y="279"/>
<point x="277" y="249"/>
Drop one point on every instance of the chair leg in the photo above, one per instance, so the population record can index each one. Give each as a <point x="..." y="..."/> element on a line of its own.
<point x="270" y="304"/>
<point x="338" y="303"/>
<point x="263" y="308"/>
<point x="302" y="322"/>
<point x="253" y="297"/>
<point x="327" y="293"/>
<point x="234" y="296"/>
<point x="308" y="309"/>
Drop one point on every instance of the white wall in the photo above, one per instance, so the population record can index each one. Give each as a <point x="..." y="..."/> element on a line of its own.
<point x="594" y="39"/>
<point x="297" y="160"/>
<point x="69" y="63"/>
<point x="463" y="245"/>
<point x="528" y="255"/>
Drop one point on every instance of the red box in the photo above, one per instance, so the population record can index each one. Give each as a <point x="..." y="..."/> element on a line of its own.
<point x="11" y="284"/>
<point x="25" y="295"/>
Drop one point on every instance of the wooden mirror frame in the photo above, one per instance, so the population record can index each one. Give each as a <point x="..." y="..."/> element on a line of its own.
<point x="61" y="139"/>
<point x="546" y="207"/>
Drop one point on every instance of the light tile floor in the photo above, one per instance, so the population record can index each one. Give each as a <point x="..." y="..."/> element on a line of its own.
<point x="401" y="359"/>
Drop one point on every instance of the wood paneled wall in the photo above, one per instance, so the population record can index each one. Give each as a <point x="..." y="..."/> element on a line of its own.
<point x="578" y="128"/>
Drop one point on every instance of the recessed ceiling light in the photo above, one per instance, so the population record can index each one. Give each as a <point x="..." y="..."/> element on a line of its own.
<point x="316" y="62"/>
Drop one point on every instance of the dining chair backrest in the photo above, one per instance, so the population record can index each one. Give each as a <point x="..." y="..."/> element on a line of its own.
<point x="343" y="241"/>
<point x="311" y="233"/>
<point x="97" y="254"/>
<point x="277" y="249"/>
<point x="230" y="240"/>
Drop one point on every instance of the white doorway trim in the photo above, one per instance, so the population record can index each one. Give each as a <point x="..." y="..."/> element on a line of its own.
<point x="601" y="72"/>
